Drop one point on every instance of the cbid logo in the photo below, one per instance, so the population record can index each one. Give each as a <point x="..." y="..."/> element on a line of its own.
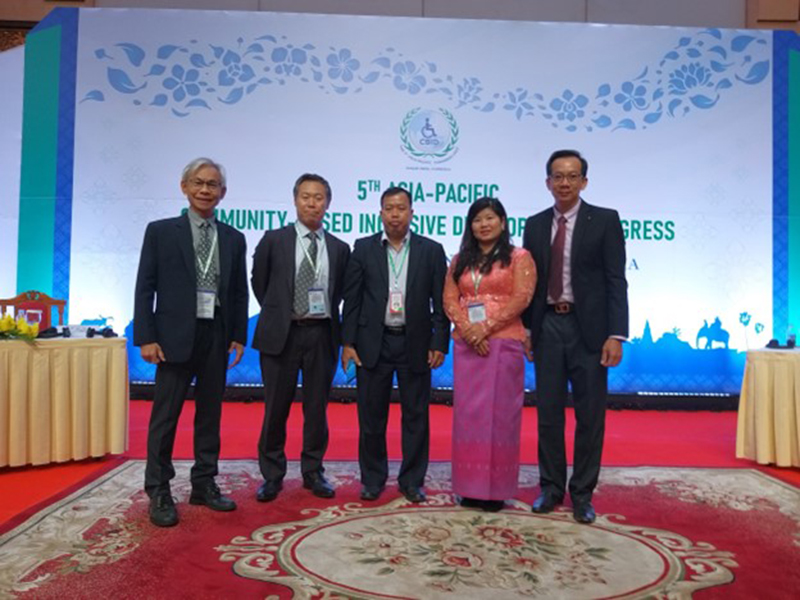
<point x="429" y="136"/>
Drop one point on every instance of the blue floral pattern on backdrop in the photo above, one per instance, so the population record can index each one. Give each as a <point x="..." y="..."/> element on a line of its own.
<point x="184" y="78"/>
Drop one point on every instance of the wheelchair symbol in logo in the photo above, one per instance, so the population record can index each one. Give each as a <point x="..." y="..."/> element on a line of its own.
<point x="429" y="135"/>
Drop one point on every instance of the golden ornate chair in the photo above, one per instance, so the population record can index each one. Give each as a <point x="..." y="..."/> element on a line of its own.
<point x="34" y="303"/>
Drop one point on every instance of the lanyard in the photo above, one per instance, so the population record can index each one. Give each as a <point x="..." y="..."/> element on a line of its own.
<point x="204" y="268"/>
<point x="316" y="264"/>
<point x="476" y="279"/>
<point x="396" y="272"/>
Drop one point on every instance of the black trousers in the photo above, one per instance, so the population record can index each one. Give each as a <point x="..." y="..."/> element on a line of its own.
<point x="374" y="394"/>
<point x="561" y="356"/>
<point x="307" y="350"/>
<point x="208" y="365"/>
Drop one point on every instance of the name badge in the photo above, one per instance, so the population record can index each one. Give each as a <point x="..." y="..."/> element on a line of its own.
<point x="316" y="301"/>
<point x="476" y="312"/>
<point x="396" y="303"/>
<point x="206" y="301"/>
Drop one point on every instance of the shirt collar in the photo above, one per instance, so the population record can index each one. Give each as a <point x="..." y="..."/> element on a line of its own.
<point x="197" y="220"/>
<point x="385" y="238"/>
<point x="571" y="212"/>
<point x="303" y="231"/>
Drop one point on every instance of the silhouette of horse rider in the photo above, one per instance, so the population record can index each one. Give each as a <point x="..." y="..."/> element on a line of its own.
<point x="712" y="333"/>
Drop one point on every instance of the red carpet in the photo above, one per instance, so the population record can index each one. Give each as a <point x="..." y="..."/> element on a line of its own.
<point x="632" y="438"/>
<point x="661" y="532"/>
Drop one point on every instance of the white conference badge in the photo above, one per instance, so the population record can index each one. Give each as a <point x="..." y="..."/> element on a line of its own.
<point x="476" y="312"/>
<point x="316" y="302"/>
<point x="396" y="302"/>
<point x="206" y="301"/>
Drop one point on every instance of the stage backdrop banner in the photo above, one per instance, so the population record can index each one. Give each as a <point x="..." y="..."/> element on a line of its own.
<point x="676" y="123"/>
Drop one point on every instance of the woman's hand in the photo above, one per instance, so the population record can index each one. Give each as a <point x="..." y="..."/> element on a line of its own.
<point x="473" y="334"/>
<point x="482" y="348"/>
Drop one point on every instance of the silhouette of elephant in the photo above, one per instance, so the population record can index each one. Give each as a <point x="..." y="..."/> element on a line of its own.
<point x="712" y="333"/>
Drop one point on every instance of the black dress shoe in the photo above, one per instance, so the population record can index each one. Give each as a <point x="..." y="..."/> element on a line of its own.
<point x="493" y="505"/>
<point x="584" y="513"/>
<point x="318" y="485"/>
<point x="545" y="503"/>
<point x="268" y="491"/>
<point x="211" y="497"/>
<point x="413" y="494"/>
<point x="162" y="510"/>
<point x="370" y="493"/>
<point x="470" y="502"/>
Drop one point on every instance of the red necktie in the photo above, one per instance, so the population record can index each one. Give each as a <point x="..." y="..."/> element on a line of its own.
<point x="555" y="283"/>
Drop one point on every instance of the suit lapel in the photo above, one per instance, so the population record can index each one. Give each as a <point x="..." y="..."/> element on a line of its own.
<point x="186" y="245"/>
<point x="581" y="223"/>
<point x="544" y="235"/>
<point x="333" y="262"/>
<point x="380" y="256"/>
<point x="414" y="260"/>
<point x="289" y="243"/>
<point x="225" y="257"/>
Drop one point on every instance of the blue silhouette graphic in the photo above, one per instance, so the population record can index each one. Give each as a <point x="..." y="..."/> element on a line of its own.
<point x="100" y="321"/>
<point x="712" y="333"/>
<point x="664" y="365"/>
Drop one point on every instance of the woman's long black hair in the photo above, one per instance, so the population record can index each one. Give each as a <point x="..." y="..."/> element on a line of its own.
<point x="470" y="255"/>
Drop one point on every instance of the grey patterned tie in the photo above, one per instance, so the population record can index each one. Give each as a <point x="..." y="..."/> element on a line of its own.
<point x="209" y="281"/>
<point x="305" y="277"/>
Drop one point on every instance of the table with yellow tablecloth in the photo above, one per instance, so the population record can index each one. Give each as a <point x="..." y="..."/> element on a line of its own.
<point x="769" y="408"/>
<point x="62" y="399"/>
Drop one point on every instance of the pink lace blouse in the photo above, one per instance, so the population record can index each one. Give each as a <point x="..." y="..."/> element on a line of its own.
<point x="504" y="291"/>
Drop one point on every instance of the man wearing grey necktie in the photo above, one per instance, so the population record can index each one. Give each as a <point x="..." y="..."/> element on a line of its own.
<point x="190" y="312"/>
<point x="298" y="272"/>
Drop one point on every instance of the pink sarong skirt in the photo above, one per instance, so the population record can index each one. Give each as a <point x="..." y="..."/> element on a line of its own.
<point x="487" y="415"/>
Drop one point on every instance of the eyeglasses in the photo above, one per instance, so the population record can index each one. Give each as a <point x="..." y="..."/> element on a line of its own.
<point x="198" y="184"/>
<point x="572" y="178"/>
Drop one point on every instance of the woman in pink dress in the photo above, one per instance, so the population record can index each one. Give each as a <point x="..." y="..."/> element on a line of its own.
<point x="488" y="286"/>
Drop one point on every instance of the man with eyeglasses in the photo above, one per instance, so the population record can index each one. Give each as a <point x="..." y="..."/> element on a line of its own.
<point x="578" y="319"/>
<point x="190" y="313"/>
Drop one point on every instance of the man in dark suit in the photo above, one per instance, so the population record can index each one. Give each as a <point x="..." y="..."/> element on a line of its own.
<point x="393" y="322"/>
<point x="578" y="320"/>
<point x="298" y="273"/>
<point x="190" y="312"/>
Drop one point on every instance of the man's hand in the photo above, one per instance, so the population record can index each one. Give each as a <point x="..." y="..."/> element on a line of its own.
<point x="152" y="353"/>
<point x="349" y="353"/>
<point x="528" y="347"/>
<point x="435" y="359"/>
<point x="239" y="349"/>
<point x="612" y="353"/>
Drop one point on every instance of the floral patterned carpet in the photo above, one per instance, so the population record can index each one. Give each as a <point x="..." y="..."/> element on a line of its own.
<point x="660" y="533"/>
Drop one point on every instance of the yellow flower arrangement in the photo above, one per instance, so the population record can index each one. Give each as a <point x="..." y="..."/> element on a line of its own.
<point x="17" y="330"/>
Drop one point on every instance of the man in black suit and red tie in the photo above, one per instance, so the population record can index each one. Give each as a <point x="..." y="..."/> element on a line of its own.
<point x="394" y="323"/>
<point x="190" y="312"/>
<point x="578" y="319"/>
<point x="298" y="272"/>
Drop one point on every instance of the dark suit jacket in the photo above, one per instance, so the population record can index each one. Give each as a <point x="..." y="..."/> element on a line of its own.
<point x="366" y="291"/>
<point x="598" y="272"/>
<point x="273" y="285"/>
<point x="165" y="305"/>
